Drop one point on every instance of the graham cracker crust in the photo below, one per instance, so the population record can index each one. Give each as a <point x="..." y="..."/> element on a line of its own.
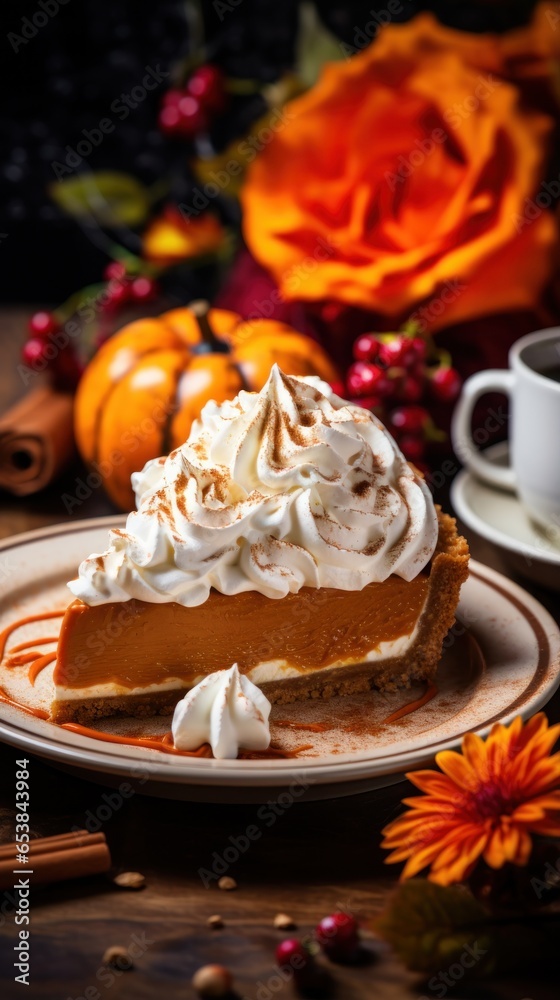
<point x="140" y="706"/>
<point x="448" y="571"/>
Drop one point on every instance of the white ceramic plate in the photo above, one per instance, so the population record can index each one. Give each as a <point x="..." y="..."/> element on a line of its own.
<point x="499" y="517"/>
<point x="500" y="659"/>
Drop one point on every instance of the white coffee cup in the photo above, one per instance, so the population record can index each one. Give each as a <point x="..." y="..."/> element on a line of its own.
<point x="534" y="431"/>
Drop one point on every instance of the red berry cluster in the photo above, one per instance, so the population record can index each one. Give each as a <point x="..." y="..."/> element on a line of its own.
<point x="50" y="349"/>
<point x="123" y="287"/>
<point x="338" y="936"/>
<point x="191" y="110"/>
<point x="393" y="373"/>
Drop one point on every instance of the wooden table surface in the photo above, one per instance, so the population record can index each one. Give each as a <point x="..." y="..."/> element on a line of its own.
<point x="315" y="857"/>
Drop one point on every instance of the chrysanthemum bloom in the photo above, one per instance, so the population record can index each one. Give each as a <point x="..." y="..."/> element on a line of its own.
<point x="487" y="803"/>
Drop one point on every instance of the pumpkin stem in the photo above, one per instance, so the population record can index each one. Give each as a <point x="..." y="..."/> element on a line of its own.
<point x="210" y="342"/>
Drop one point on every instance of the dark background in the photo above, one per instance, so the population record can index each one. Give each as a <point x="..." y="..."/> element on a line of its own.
<point x="63" y="79"/>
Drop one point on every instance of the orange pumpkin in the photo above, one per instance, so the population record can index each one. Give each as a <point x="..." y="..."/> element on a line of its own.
<point x="141" y="392"/>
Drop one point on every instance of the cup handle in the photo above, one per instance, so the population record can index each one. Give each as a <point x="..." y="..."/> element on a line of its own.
<point x="494" y="380"/>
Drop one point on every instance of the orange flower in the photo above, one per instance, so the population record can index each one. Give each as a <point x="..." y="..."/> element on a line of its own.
<point x="518" y="55"/>
<point x="486" y="803"/>
<point x="416" y="167"/>
<point x="171" y="238"/>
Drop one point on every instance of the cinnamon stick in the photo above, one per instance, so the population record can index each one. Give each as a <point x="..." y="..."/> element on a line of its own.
<point x="56" y="859"/>
<point x="36" y="440"/>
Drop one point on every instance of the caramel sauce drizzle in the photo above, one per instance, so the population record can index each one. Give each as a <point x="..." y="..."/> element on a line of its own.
<point x="39" y="713"/>
<point x="39" y="664"/>
<point x="412" y="706"/>
<point x="21" y="660"/>
<point x="33" y="642"/>
<point x="37" y="659"/>
<point x="160" y="743"/>
<point x="44" y="616"/>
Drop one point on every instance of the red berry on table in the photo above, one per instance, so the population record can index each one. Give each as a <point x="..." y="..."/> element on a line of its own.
<point x="409" y="419"/>
<point x="446" y="384"/>
<point x="412" y="447"/>
<point x="293" y="954"/>
<point x="169" y="119"/>
<point x="338" y="935"/>
<point x="114" y="271"/>
<point x="208" y="86"/>
<point x="396" y="352"/>
<point x="43" y="323"/>
<point x="288" y="948"/>
<point x="192" y="117"/>
<point x="366" y="347"/>
<point x="364" y="379"/>
<point x="143" y="289"/>
<point x="33" y="354"/>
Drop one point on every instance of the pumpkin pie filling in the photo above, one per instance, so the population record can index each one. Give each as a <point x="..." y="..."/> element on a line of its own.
<point x="136" y="644"/>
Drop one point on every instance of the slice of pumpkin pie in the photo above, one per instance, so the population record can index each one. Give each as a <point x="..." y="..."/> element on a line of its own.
<point x="289" y="535"/>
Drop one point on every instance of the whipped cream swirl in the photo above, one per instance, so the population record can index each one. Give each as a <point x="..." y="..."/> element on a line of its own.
<point x="286" y="488"/>
<point x="225" y="710"/>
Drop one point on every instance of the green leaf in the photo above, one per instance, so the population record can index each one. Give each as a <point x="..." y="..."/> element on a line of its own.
<point x="109" y="197"/>
<point x="429" y="926"/>
<point x="315" y="45"/>
<point x="433" y="927"/>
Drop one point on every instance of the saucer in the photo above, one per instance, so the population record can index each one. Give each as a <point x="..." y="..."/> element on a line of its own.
<point x="498" y="516"/>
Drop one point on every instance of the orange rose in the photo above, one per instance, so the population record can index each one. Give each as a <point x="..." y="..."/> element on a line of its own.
<point x="416" y="170"/>
<point x="523" y="54"/>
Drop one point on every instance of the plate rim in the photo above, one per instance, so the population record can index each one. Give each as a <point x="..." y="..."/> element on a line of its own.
<point x="347" y="768"/>
<point x="473" y="520"/>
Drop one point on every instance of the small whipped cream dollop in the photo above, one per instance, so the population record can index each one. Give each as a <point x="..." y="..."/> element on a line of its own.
<point x="275" y="490"/>
<point x="225" y="710"/>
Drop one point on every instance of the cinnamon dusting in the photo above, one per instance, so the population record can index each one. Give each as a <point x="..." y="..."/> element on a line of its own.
<point x="313" y="727"/>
